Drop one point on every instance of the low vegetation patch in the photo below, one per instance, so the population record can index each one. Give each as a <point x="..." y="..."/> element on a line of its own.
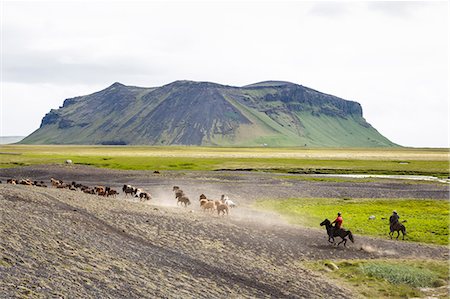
<point x="426" y="220"/>
<point x="382" y="278"/>
<point x="397" y="274"/>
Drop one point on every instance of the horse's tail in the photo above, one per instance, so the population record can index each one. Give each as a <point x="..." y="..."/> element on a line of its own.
<point x="350" y="236"/>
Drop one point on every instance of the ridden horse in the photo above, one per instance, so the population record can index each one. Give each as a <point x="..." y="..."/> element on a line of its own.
<point x="337" y="233"/>
<point x="398" y="227"/>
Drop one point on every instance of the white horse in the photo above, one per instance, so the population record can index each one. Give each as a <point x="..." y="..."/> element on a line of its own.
<point x="226" y="200"/>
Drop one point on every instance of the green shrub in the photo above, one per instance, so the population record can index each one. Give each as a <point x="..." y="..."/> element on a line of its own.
<point x="398" y="274"/>
<point x="389" y="278"/>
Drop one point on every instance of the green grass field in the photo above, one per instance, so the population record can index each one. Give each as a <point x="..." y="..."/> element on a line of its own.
<point x="388" y="279"/>
<point x="427" y="220"/>
<point x="301" y="160"/>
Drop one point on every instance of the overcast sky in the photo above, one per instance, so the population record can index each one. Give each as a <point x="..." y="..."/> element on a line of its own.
<point x="392" y="57"/>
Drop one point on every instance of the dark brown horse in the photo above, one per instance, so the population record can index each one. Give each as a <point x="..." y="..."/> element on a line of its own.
<point x="184" y="200"/>
<point x="398" y="227"/>
<point x="332" y="232"/>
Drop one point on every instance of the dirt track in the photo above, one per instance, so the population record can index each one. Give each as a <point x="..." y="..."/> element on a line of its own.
<point x="67" y="243"/>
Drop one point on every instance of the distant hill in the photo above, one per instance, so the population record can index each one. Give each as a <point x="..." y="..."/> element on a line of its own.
<point x="271" y="113"/>
<point x="10" y="139"/>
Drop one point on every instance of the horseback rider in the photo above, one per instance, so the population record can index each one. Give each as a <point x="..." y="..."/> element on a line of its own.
<point x="338" y="222"/>
<point x="393" y="220"/>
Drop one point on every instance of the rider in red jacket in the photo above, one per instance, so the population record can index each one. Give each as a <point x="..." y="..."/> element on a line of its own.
<point x="338" y="221"/>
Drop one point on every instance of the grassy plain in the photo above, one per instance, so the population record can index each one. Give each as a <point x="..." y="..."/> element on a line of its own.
<point x="302" y="160"/>
<point x="427" y="220"/>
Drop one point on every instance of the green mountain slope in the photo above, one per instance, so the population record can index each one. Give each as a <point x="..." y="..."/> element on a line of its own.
<point x="271" y="113"/>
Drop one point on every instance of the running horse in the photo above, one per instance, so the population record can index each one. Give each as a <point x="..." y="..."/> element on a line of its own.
<point x="398" y="227"/>
<point x="342" y="233"/>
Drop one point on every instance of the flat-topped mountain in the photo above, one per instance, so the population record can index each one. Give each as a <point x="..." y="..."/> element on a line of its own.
<point x="270" y="113"/>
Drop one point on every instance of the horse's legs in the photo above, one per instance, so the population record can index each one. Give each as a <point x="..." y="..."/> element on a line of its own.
<point x="398" y="234"/>
<point x="343" y="240"/>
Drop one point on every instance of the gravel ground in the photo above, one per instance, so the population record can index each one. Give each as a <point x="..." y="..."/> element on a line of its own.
<point x="62" y="243"/>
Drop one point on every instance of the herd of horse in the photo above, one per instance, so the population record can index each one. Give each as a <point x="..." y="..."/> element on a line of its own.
<point x="222" y="206"/>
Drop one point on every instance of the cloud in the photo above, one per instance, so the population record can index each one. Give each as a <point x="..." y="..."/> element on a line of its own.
<point x="402" y="9"/>
<point x="64" y="67"/>
<point x="329" y="9"/>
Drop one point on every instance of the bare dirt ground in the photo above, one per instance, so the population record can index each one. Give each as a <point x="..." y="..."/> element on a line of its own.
<point x="62" y="243"/>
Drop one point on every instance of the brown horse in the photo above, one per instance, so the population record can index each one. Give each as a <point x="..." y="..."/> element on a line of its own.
<point x="184" y="200"/>
<point x="332" y="232"/>
<point x="398" y="227"/>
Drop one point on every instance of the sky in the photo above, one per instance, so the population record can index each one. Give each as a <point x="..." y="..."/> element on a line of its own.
<point x="391" y="57"/>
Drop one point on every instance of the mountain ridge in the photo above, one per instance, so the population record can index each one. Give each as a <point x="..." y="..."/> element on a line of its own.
<point x="184" y="112"/>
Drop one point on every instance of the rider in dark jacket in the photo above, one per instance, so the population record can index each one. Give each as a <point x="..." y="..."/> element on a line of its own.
<point x="393" y="220"/>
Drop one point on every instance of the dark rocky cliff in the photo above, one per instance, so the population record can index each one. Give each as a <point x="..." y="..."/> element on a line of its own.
<point x="203" y="113"/>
